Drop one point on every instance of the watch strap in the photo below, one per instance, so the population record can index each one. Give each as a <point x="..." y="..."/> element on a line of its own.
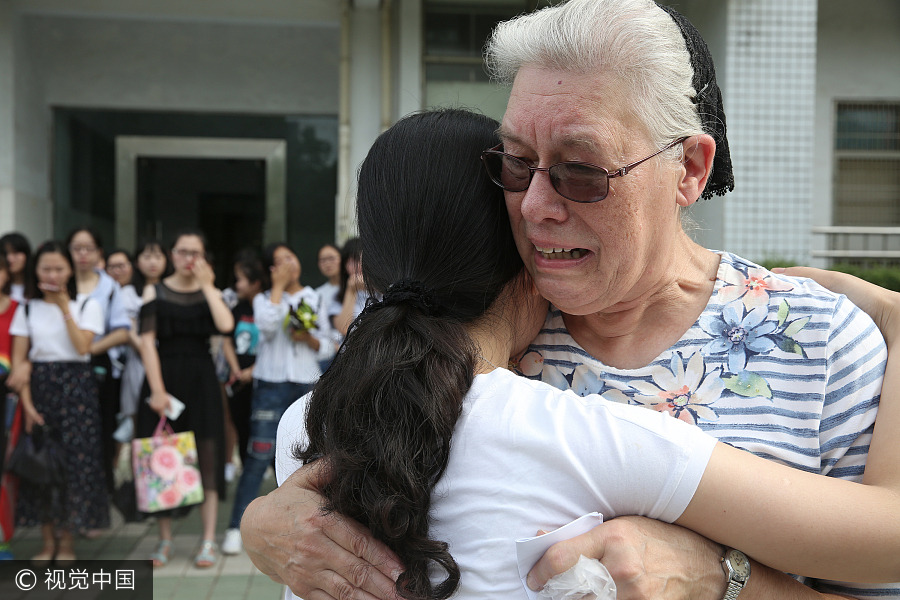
<point x="734" y="588"/>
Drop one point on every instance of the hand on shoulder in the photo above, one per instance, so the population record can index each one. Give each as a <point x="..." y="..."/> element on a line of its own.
<point x="882" y="304"/>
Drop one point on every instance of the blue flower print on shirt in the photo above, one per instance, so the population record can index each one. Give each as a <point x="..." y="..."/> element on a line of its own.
<point x="739" y="333"/>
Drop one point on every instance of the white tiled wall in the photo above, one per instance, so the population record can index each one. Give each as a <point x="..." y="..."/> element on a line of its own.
<point x="769" y="102"/>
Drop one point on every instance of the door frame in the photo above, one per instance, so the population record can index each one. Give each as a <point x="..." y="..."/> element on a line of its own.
<point x="129" y="148"/>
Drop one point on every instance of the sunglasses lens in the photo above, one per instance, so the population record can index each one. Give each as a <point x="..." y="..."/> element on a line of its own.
<point x="579" y="182"/>
<point x="507" y="171"/>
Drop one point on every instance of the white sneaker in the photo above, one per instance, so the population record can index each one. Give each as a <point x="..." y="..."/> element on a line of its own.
<point x="232" y="543"/>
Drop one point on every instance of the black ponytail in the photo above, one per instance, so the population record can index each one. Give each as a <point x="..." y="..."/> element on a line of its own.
<point x="436" y="241"/>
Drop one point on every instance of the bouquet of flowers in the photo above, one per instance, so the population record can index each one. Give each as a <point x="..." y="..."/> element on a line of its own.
<point x="300" y="318"/>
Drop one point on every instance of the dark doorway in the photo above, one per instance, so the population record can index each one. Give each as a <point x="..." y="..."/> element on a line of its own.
<point x="223" y="198"/>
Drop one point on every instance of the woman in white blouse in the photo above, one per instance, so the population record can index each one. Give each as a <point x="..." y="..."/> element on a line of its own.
<point x="53" y="332"/>
<point x="286" y="368"/>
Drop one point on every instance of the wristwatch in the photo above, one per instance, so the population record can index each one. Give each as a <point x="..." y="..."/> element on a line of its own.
<point x="737" y="568"/>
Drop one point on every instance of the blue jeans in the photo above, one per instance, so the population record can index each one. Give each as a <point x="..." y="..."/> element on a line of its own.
<point x="270" y="400"/>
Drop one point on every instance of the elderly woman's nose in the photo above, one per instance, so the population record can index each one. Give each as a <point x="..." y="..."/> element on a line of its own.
<point x="541" y="201"/>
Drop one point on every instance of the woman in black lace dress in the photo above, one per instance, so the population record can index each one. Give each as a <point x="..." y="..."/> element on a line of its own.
<point x="177" y="318"/>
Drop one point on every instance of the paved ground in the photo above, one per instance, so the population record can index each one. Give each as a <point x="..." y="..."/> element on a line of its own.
<point x="232" y="578"/>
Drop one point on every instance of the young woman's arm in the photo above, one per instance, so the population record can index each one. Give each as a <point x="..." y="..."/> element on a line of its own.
<point x="221" y="314"/>
<point x="20" y="367"/>
<point x="343" y="319"/>
<point x="159" y="398"/>
<point x="796" y="521"/>
<point x="115" y="338"/>
<point x="20" y="347"/>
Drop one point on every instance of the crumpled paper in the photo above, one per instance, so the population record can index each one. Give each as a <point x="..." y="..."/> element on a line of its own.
<point x="587" y="580"/>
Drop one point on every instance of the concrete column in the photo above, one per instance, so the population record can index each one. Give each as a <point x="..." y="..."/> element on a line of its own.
<point x="364" y="91"/>
<point x="7" y="117"/>
<point x="769" y="93"/>
<point x="410" y="75"/>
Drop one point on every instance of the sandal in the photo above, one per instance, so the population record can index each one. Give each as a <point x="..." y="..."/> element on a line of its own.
<point x="162" y="554"/>
<point x="207" y="556"/>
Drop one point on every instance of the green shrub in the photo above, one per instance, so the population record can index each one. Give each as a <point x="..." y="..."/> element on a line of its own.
<point x="886" y="277"/>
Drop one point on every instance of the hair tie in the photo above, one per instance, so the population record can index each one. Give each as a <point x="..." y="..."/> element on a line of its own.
<point x="709" y="104"/>
<point x="407" y="291"/>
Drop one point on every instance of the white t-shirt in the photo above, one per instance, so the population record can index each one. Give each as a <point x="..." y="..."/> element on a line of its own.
<point x="46" y="328"/>
<point x="527" y="456"/>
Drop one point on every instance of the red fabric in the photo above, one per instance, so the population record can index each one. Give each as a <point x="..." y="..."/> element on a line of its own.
<point x="5" y="338"/>
<point x="9" y="483"/>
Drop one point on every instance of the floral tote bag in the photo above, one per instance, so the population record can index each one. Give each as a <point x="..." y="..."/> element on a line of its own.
<point x="166" y="474"/>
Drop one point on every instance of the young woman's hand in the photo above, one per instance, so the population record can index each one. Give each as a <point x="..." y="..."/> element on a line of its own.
<point x="203" y="272"/>
<point x="55" y="294"/>
<point x="159" y="402"/>
<point x="301" y="336"/>
<point x="281" y="275"/>
<point x="32" y="417"/>
<point x="19" y="376"/>
<point x="881" y="304"/>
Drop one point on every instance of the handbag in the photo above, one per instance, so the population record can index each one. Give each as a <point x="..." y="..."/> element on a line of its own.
<point x="39" y="459"/>
<point x="166" y="474"/>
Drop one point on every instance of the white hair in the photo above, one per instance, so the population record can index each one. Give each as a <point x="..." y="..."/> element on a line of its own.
<point x="634" y="41"/>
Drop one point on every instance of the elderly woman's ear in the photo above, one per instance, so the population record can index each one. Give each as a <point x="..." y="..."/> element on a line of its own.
<point x="699" y="152"/>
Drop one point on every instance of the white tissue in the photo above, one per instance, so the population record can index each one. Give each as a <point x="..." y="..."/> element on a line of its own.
<point x="587" y="580"/>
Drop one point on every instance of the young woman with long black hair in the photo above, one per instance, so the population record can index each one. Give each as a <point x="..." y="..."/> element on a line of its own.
<point x="426" y="439"/>
<point x="53" y="331"/>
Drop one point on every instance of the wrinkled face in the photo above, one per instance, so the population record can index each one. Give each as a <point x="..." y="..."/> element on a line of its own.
<point x="587" y="258"/>
<point x="329" y="262"/>
<point x="119" y="268"/>
<point x="151" y="263"/>
<point x="186" y="251"/>
<point x="284" y="256"/>
<point x="53" y="269"/>
<point x="84" y="250"/>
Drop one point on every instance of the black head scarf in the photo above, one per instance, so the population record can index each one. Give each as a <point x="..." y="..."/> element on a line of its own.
<point x="709" y="104"/>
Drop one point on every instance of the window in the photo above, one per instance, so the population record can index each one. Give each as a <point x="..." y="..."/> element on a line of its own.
<point x="455" y="34"/>
<point x="867" y="164"/>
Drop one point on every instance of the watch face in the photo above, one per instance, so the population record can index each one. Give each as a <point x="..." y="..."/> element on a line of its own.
<point x="739" y="563"/>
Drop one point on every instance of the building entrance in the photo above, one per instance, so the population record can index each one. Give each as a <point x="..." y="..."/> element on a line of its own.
<point x="223" y="198"/>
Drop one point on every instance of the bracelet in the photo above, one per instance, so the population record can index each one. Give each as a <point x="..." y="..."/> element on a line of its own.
<point x="67" y="316"/>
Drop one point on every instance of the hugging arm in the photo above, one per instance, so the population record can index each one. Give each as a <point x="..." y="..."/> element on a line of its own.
<point x="318" y="556"/>
<point x="649" y="559"/>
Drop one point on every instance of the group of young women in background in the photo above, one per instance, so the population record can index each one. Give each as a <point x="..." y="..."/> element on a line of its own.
<point x="82" y="347"/>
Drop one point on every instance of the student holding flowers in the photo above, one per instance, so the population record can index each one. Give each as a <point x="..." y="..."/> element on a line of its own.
<point x="293" y="338"/>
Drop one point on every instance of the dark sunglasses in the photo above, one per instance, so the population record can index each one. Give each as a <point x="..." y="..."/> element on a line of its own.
<point x="575" y="181"/>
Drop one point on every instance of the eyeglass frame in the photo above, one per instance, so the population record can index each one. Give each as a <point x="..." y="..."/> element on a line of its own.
<point x="620" y="172"/>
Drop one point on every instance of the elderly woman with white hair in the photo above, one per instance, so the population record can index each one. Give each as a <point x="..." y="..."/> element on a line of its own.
<point x="614" y="126"/>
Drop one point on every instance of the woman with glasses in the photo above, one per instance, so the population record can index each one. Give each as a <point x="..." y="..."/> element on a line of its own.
<point x="178" y="316"/>
<point x="86" y="248"/>
<point x="331" y="266"/>
<point x="639" y="311"/>
<point x="425" y="437"/>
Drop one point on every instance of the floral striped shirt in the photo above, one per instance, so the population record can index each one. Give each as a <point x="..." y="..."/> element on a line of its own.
<point x="775" y="365"/>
